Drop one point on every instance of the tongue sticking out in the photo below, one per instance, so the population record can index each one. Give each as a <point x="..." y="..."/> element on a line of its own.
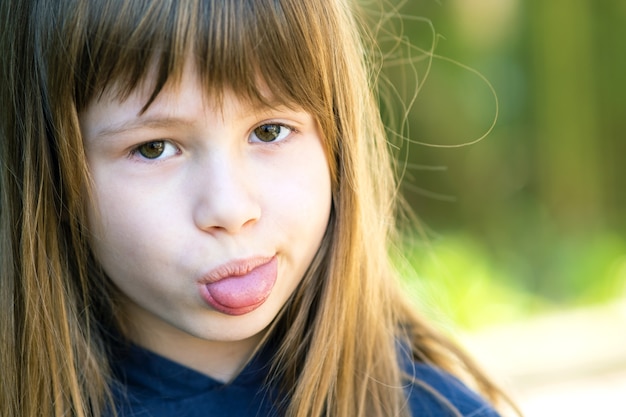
<point x="241" y="294"/>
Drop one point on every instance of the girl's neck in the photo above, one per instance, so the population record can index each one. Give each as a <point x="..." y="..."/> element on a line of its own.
<point x="220" y="360"/>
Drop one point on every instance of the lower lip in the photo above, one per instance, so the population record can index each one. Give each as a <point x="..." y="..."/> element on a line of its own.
<point x="241" y="294"/>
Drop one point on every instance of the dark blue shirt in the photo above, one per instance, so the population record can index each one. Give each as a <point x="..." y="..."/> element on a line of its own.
<point x="148" y="385"/>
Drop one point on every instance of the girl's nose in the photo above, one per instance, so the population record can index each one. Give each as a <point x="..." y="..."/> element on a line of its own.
<point x="227" y="197"/>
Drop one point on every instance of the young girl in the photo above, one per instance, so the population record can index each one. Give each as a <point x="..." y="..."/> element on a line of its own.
<point x="195" y="217"/>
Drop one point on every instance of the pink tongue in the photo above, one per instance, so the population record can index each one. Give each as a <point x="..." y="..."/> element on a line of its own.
<point x="246" y="290"/>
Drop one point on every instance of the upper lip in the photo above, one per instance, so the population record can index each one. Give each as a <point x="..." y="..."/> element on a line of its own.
<point x="234" y="268"/>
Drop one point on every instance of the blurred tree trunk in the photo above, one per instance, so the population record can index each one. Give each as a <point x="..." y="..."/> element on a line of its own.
<point x="610" y="56"/>
<point x="565" y="111"/>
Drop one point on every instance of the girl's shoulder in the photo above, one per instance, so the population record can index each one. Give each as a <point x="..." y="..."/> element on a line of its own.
<point x="434" y="392"/>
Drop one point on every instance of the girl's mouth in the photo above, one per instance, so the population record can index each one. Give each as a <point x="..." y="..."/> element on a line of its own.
<point x="240" y="287"/>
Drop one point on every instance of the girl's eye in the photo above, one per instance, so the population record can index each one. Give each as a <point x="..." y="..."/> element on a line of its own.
<point x="156" y="149"/>
<point x="271" y="132"/>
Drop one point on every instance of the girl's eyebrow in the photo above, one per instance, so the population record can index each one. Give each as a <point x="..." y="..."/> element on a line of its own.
<point x="153" y="122"/>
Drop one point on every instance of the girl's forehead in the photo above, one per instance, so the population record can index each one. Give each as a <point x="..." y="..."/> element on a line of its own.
<point x="189" y="85"/>
<point x="183" y="98"/>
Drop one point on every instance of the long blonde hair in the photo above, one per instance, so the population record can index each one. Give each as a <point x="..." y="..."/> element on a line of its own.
<point x="339" y="333"/>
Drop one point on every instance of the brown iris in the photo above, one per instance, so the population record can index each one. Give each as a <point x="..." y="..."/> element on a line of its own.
<point x="152" y="150"/>
<point x="268" y="133"/>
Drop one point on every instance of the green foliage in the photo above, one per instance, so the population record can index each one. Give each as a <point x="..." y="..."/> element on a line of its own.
<point x="456" y="279"/>
<point x="533" y="216"/>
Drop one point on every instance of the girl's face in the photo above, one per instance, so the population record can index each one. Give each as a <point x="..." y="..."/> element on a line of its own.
<point x="205" y="217"/>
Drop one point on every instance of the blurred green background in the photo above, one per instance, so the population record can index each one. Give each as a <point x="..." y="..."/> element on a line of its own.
<point x="529" y="219"/>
